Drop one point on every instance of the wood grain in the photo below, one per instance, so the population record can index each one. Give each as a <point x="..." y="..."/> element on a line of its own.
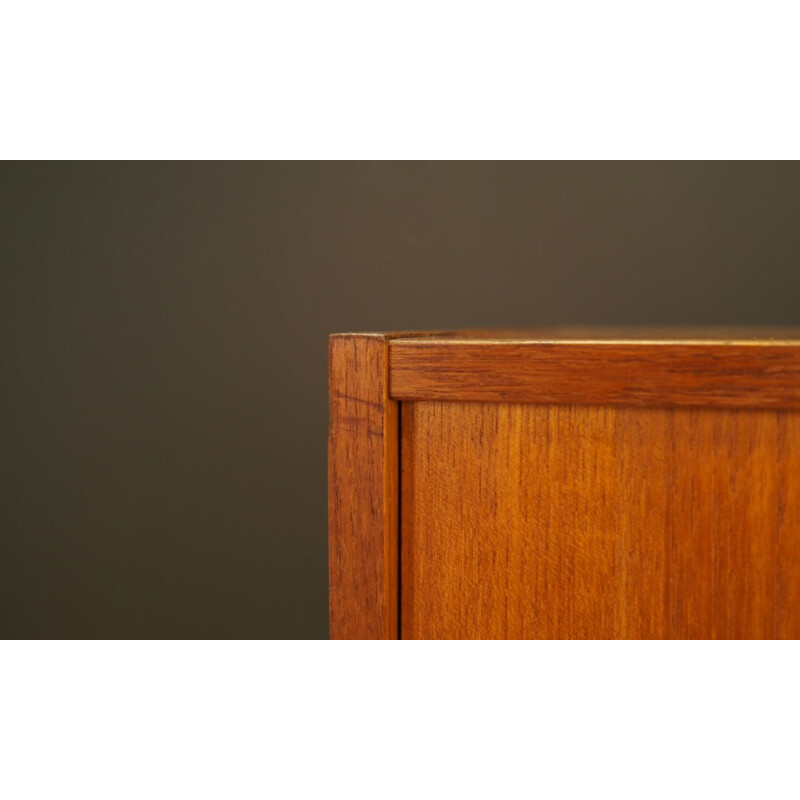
<point x="535" y="521"/>
<point x="362" y="490"/>
<point x="743" y="373"/>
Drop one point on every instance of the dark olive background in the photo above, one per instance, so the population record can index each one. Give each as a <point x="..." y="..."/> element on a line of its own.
<point x="164" y="410"/>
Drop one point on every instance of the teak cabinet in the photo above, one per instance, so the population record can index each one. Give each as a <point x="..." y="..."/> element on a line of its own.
<point x="603" y="484"/>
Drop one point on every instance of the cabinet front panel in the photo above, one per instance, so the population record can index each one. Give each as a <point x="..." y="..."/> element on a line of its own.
<point x="537" y="521"/>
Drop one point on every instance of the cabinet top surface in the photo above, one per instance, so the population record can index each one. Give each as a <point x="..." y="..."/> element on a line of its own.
<point x="612" y="335"/>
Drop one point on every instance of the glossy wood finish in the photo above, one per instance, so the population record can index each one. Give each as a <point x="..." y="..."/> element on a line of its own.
<point x="536" y="521"/>
<point x="739" y="373"/>
<point x="362" y="490"/>
<point x="566" y="483"/>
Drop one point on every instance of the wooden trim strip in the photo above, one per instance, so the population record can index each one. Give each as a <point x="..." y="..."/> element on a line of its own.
<point x="735" y="375"/>
<point x="363" y="454"/>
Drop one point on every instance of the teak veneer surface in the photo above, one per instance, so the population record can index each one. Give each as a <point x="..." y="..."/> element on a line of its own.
<point x="682" y="367"/>
<point x="565" y="483"/>
<point x="533" y="521"/>
<point x="362" y="490"/>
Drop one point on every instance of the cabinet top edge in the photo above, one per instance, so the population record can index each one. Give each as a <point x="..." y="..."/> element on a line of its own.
<point x="608" y="335"/>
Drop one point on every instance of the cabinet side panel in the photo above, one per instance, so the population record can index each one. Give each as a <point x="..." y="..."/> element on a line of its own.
<point x="362" y="490"/>
<point x="533" y="521"/>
